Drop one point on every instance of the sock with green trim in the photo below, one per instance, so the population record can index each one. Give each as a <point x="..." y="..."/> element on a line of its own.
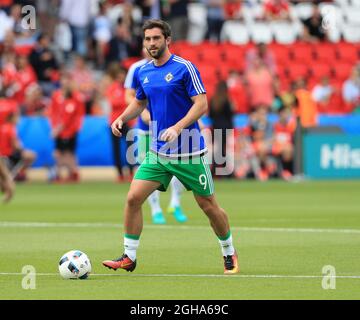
<point x="226" y="244"/>
<point x="131" y="244"/>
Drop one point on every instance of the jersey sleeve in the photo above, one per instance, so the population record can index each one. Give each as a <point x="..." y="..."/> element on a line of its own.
<point x="193" y="83"/>
<point x="140" y="93"/>
<point x="131" y="80"/>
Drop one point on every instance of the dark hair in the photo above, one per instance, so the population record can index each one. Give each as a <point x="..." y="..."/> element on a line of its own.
<point x="156" y="23"/>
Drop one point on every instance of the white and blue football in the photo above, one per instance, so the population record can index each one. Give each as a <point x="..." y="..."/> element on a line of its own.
<point x="74" y="264"/>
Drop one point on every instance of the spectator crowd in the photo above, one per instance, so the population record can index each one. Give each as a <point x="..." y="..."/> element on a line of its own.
<point x="75" y="61"/>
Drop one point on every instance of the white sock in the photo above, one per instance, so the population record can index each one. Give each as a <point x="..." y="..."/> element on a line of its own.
<point x="176" y="191"/>
<point x="227" y="247"/>
<point x="154" y="201"/>
<point x="131" y="246"/>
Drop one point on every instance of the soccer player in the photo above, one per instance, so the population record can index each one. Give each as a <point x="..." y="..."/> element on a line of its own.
<point x="172" y="89"/>
<point x="131" y="84"/>
<point x="6" y="183"/>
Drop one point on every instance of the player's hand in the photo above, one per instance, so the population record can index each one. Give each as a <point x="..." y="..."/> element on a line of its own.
<point x="116" y="127"/>
<point x="170" y="134"/>
<point x="8" y="188"/>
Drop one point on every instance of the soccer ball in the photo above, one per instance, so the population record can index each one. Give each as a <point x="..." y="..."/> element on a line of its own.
<point x="74" y="264"/>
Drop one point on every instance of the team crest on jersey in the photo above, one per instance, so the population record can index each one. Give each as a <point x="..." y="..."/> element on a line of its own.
<point x="169" y="77"/>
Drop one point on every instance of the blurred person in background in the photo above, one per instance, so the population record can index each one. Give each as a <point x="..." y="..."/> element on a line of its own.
<point x="306" y="107"/>
<point x="121" y="45"/>
<point x="351" y="91"/>
<point x="78" y="15"/>
<point x="276" y="10"/>
<point x="44" y="64"/>
<point x="262" y="52"/>
<point x="176" y="14"/>
<point x="115" y="94"/>
<point x="238" y="92"/>
<point x="260" y="84"/>
<point x="322" y="93"/>
<point x="7" y="185"/>
<point x="232" y="10"/>
<point x="221" y="114"/>
<point x="247" y="161"/>
<point x="313" y="30"/>
<point x="19" y="158"/>
<point x="35" y="104"/>
<point x="150" y="9"/>
<point x="262" y="134"/>
<point x="83" y="77"/>
<point x="66" y="112"/>
<point x="24" y="77"/>
<point x="5" y="5"/>
<point x="283" y="142"/>
<point x="101" y="33"/>
<point x="6" y="23"/>
<point x="215" y="19"/>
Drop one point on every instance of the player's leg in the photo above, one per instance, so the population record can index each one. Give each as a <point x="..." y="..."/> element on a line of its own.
<point x="220" y="224"/>
<point x="133" y="223"/>
<point x="175" y="206"/>
<point x="143" y="145"/>
<point x="196" y="176"/>
<point x="156" y="211"/>
<point x="150" y="176"/>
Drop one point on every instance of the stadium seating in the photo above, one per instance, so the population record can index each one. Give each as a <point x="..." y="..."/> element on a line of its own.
<point x="235" y="32"/>
<point x="261" y="33"/>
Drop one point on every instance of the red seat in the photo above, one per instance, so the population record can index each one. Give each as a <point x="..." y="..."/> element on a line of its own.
<point x="298" y="70"/>
<point x="342" y="70"/>
<point x="189" y="53"/>
<point x="211" y="54"/>
<point x="239" y="98"/>
<point x="281" y="53"/>
<point x="348" y="53"/>
<point x="208" y="72"/>
<point x="232" y="51"/>
<point x="325" y="53"/>
<point x="302" y="53"/>
<point x="224" y="70"/>
<point x="319" y="70"/>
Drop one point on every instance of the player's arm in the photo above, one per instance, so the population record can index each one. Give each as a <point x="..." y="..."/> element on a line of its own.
<point x="133" y="110"/>
<point x="130" y="96"/>
<point x="6" y="182"/>
<point x="198" y="109"/>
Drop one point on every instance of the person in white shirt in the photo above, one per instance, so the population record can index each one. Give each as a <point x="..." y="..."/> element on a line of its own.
<point x="322" y="91"/>
<point x="351" y="88"/>
<point x="78" y="15"/>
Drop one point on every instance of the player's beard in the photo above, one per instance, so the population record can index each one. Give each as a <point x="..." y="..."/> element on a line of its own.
<point x="158" y="53"/>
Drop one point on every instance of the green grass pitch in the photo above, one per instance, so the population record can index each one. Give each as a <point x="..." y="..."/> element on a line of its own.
<point x="284" y="233"/>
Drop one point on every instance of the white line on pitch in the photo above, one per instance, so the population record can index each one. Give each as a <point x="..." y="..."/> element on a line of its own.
<point x="6" y="224"/>
<point x="263" y="276"/>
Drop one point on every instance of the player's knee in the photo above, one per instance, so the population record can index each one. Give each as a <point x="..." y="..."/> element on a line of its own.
<point x="133" y="199"/>
<point x="207" y="205"/>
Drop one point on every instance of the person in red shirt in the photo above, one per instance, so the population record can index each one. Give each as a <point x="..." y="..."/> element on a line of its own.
<point x="24" y="77"/>
<point x="283" y="142"/>
<point x="276" y="10"/>
<point x="66" y="113"/>
<point x="115" y="95"/>
<point x="19" y="159"/>
<point x="7" y="106"/>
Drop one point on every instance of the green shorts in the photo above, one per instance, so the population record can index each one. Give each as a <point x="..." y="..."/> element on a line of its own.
<point x="193" y="173"/>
